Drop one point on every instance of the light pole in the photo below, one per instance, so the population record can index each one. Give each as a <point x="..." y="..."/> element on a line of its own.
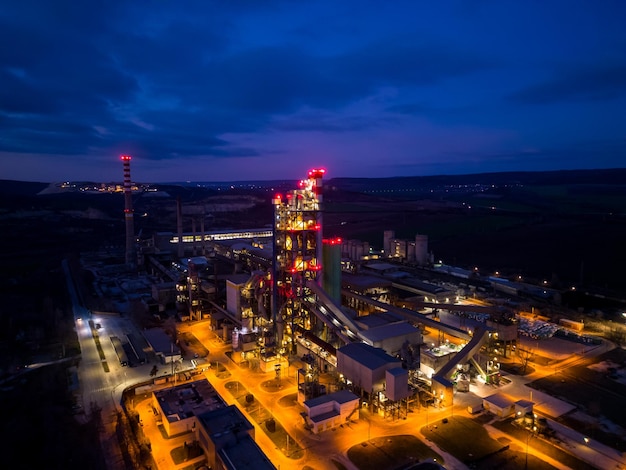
<point x="452" y="405"/>
<point x="527" y="438"/>
<point x="534" y="428"/>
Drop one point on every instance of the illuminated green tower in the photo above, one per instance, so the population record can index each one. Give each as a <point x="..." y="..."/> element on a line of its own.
<point x="331" y="274"/>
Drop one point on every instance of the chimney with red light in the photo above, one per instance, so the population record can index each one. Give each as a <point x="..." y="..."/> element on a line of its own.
<point x="131" y="257"/>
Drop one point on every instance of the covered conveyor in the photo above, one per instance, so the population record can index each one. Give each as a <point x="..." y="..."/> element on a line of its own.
<point x="442" y="385"/>
<point x="466" y="354"/>
<point x="332" y="315"/>
<point x="413" y="316"/>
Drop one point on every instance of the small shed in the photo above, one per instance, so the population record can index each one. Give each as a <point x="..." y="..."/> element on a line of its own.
<point x="523" y="407"/>
<point x="499" y="405"/>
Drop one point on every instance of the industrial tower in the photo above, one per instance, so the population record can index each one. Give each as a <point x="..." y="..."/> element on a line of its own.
<point x="297" y="255"/>
<point x="131" y="255"/>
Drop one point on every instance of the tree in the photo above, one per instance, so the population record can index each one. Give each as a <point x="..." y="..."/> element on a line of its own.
<point x="525" y="355"/>
<point x="617" y="334"/>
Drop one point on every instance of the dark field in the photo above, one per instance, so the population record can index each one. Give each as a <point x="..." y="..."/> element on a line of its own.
<point x="595" y="393"/>
<point x="391" y="452"/>
<point x="483" y="452"/>
<point x="536" y="234"/>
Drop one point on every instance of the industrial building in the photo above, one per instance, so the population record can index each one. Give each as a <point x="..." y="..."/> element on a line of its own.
<point x="223" y="432"/>
<point x="378" y="377"/>
<point x="162" y="345"/>
<point x="329" y="411"/>
<point x="169" y="241"/>
<point x="297" y="256"/>
<point x="411" y="251"/>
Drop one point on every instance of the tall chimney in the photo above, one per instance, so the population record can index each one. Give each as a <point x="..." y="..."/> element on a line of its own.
<point x="179" y="227"/>
<point x="131" y="256"/>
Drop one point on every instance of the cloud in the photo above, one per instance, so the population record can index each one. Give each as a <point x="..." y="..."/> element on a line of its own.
<point x="17" y="95"/>
<point x="409" y="60"/>
<point x="244" y="84"/>
<point x="599" y="82"/>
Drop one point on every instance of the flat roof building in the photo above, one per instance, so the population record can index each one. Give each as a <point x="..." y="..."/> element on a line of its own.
<point x="365" y="365"/>
<point x="162" y="345"/>
<point x="228" y="438"/>
<point x="179" y="405"/>
<point x="329" y="411"/>
<point x="224" y="433"/>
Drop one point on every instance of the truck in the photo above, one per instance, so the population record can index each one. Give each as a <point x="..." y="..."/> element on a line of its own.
<point x="119" y="350"/>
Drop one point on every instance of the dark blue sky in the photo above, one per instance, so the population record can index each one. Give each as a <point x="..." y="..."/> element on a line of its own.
<point x="207" y="90"/>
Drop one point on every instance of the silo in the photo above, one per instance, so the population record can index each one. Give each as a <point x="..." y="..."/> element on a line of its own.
<point x="421" y="249"/>
<point x="331" y="274"/>
<point x="388" y="237"/>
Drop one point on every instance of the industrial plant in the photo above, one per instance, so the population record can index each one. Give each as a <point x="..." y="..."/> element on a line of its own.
<point x="245" y="347"/>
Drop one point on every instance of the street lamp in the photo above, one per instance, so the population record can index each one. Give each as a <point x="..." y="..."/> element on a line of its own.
<point x="452" y="404"/>
<point x="277" y="370"/>
<point x="527" y="438"/>
<point x="534" y="428"/>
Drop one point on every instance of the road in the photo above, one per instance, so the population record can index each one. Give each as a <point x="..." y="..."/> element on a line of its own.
<point x="101" y="389"/>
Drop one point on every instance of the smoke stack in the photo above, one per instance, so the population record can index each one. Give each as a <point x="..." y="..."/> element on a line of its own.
<point x="131" y="257"/>
<point x="179" y="226"/>
<point x="193" y="231"/>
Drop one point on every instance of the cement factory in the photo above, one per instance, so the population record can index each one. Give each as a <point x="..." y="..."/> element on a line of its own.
<point x="293" y="294"/>
<point x="387" y="331"/>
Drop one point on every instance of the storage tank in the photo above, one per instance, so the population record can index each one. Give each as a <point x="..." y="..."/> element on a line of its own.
<point x="421" y="249"/>
<point x="388" y="237"/>
<point x="331" y="274"/>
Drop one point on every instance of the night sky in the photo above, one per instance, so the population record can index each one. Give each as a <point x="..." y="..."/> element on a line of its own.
<point x="230" y="90"/>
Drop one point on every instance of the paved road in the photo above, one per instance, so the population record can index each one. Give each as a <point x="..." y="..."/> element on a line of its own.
<point x="97" y="387"/>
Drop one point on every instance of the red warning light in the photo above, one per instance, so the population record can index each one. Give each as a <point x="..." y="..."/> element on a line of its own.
<point x="317" y="173"/>
<point x="125" y="157"/>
